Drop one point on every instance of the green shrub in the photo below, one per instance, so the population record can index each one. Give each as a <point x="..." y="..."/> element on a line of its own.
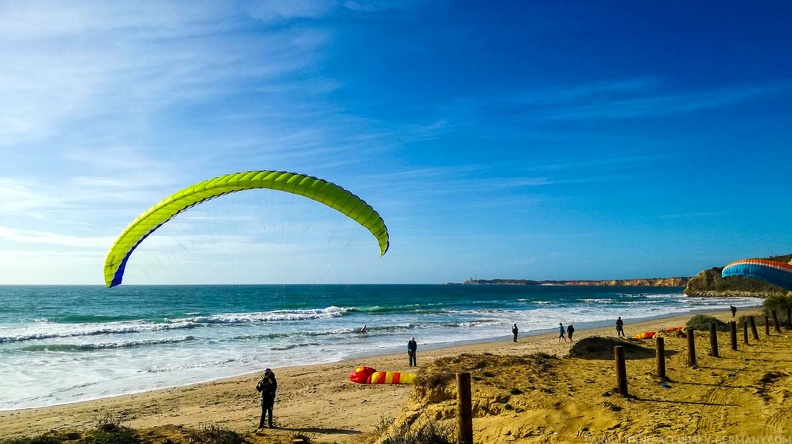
<point x="779" y="303"/>
<point x="110" y="431"/>
<point x="702" y="322"/>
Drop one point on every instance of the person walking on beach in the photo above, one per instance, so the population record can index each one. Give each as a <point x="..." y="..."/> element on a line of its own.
<point x="267" y="386"/>
<point x="514" y="332"/>
<point x="620" y="327"/>
<point x="570" y="330"/>
<point x="561" y="332"/>
<point x="733" y="309"/>
<point x="412" y="349"/>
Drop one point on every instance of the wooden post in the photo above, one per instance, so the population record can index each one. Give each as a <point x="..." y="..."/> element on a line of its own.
<point x="789" y="317"/>
<point x="775" y="320"/>
<point x="767" y="326"/>
<point x="714" y="339"/>
<point x="465" y="407"/>
<point x="691" y="348"/>
<point x="621" y="370"/>
<point x="660" y="355"/>
<point x="745" y="332"/>
<point x="733" y="331"/>
<point x="753" y="328"/>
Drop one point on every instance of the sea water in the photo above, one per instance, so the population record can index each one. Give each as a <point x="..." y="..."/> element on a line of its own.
<point x="61" y="344"/>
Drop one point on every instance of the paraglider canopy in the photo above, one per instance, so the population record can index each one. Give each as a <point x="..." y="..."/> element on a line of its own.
<point x="773" y="272"/>
<point x="311" y="187"/>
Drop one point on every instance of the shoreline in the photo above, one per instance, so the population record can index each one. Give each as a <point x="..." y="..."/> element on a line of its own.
<point x="583" y="326"/>
<point x="396" y="350"/>
<point x="310" y="397"/>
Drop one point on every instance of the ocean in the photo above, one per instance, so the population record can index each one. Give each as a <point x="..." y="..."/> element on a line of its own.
<point x="62" y="344"/>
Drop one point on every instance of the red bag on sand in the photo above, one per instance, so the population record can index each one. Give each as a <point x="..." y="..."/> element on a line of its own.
<point x="362" y="375"/>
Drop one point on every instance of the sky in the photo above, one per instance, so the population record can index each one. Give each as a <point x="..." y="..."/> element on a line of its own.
<point x="500" y="139"/>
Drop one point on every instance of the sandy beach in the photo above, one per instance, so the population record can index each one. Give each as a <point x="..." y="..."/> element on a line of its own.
<point x="747" y="392"/>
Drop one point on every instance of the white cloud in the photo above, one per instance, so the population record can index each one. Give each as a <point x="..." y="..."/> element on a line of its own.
<point x="70" y="62"/>
<point x="29" y="237"/>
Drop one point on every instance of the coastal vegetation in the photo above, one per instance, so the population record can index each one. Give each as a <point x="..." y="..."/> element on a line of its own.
<point x="703" y="322"/>
<point x="109" y="430"/>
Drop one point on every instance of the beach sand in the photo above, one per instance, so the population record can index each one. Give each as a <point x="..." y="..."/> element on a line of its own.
<point x="557" y="398"/>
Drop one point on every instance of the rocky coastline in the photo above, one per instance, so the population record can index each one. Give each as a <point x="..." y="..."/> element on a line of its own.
<point x="707" y="283"/>
<point x="645" y="282"/>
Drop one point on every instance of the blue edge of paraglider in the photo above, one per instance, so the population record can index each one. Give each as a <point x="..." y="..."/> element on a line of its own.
<point x="119" y="274"/>
<point x="775" y="276"/>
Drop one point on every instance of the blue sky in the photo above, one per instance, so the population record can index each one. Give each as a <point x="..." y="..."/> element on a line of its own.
<point x="535" y="140"/>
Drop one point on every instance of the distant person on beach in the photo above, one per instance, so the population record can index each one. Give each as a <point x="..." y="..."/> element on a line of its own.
<point x="561" y="332"/>
<point x="570" y="331"/>
<point x="412" y="349"/>
<point x="267" y="386"/>
<point x="733" y="309"/>
<point x="514" y="332"/>
<point x="620" y="327"/>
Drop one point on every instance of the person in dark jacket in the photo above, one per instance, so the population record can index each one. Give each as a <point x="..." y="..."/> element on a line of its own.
<point x="514" y="332"/>
<point x="412" y="349"/>
<point x="561" y="332"/>
<point x="570" y="331"/>
<point x="267" y="386"/>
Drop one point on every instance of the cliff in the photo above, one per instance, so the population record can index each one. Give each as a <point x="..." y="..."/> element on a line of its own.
<point x="648" y="282"/>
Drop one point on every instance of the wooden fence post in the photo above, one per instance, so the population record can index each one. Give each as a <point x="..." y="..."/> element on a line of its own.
<point x="745" y="332"/>
<point x="714" y="339"/>
<point x="660" y="355"/>
<point x="767" y="326"/>
<point x="753" y="328"/>
<point x="733" y="331"/>
<point x="465" y="407"/>
<point x="775" y="320"/>
<point x="789" y="317"/>
<point x="691" y="347"/>
<point x="621" y="369"/>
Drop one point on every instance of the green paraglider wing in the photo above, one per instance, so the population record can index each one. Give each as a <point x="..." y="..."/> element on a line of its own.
<point x="319" y="190"/>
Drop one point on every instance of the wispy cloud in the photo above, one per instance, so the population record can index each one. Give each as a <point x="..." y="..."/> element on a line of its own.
<point x="618" y="99"/>
<point x="275" y="11"/>
<point x="31" y="237"/>
<point x="68" y="63"/>
<point x="668" y="104"/>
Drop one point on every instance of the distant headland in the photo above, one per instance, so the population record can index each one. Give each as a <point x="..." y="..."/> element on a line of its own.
<point x="706" y="283"/>
<point x="648" y="282"/>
